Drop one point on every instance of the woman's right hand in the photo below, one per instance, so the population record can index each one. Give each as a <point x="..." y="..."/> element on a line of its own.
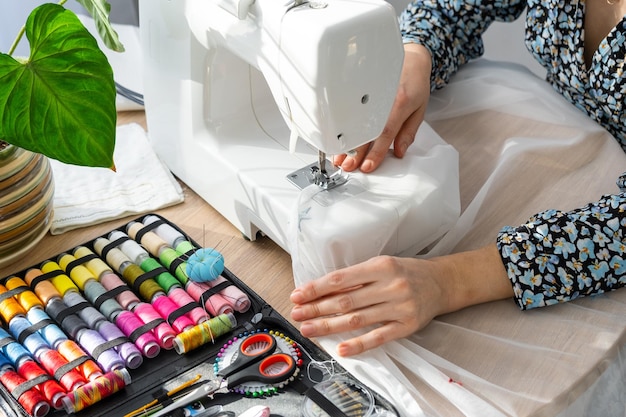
<point x="407" y="113"/>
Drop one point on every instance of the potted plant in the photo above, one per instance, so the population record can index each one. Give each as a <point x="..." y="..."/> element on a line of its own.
<point x="59" y="103"/>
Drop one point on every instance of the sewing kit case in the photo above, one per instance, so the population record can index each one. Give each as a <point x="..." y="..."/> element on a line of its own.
<point x="317" y="387"/>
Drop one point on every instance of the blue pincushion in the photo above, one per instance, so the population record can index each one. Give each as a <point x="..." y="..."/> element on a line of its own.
<point x="205" y="264"/>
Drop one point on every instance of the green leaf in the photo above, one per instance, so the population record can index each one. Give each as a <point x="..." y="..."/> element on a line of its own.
<point x="61" y="101"/>
<point x="99" y="11"/>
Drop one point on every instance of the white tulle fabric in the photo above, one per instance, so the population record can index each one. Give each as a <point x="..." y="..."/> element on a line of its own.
<point x="522" y="149"/>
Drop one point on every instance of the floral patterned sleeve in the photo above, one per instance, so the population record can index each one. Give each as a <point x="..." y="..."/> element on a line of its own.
<point x="557" y="256"/>
<point x="451" y="30"/>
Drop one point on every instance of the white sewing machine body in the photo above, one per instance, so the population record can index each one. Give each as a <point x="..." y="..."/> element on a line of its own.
<point x="228" y="85"/>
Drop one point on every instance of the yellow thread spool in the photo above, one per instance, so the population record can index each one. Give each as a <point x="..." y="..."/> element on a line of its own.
<point x="203" y="333"/>
<point x="79" y="274"/>
<point x="96" y="265"/>
<point x="61" y="282"/>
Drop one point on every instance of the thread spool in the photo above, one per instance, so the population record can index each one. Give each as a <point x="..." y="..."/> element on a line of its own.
<point x="95" y="344"/>
<point x="21" y="330"/>
<point x="162" y="331"/>
<point x="53" y="361"/>
<point x="169" y="234"/>
<point x="141" y="257"/>
<point x="85" y="311"/>
<point x="129" y="353"/>
<point x="237" y="299"/>
<point x="45" y="290"/>
<point x="26" y="298"/>
<point x="61" y="282"/>
<point x="31" y="399"/>
<point x="182" y="299"/>
<point x="51" y="333"/>
<point x="131" y="326"/>
<point x="204" y="332"/>
<point x="166" y="309"/>
<point x="111" y="281"/>
<point x="214" y="302"/>
<point x="97" y="295"/>
<point x="88" y="368"/>
<point x="105" y="275"/>
<point x="71" y="323"/>
<point x="159" y="249"/>
<point x="9" y="307"/>
<point x="102" y="387"/>
<point x="52" y="391"/>
<point x="350" y="397"/>
<point x="15" y="352"/>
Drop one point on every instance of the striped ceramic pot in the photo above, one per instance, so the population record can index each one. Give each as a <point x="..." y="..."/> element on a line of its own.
<point x="26" y="191"/>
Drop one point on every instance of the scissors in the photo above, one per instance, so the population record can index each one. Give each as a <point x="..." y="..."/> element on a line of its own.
<point x="255" y="360"/>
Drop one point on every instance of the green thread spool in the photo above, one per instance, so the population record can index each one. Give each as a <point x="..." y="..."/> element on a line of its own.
<point x="169" y="255"/>
<point x="165" y="280"/>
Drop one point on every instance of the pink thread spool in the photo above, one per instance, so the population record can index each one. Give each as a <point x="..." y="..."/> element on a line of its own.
<point x="165" y="306"/>
<point x="182" y="298"/>
<point x="214" y="303"/>
<point x="146" y="342"/>
<point x="163" y="331"/>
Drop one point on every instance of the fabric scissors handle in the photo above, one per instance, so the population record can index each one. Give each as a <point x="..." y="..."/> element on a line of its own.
<point x="258" y="349"/>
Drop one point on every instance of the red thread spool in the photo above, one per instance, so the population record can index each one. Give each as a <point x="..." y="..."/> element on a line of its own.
<point x="51" y="390"/>
<point x="52" y="360"/>
<point x="96" y="390"/>
<point x="32" y="400"/>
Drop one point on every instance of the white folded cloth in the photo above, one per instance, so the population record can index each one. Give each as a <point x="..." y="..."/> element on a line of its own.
<point x="85" y="196"/>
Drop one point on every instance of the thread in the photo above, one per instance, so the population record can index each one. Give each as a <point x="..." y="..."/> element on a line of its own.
<point x="52" y="334"/>
<point x="12" y="350"/>
<point x="31" y="399"/>
<point x="55" y="364"/>
<point x="20" y="328"/>
<point x="214" y="303"/>
<point x="88" y="368"/>
<point x="161" y="330"/>
<point x="71" y="323"/>
<point x="182" y="299"/>
<point x="9" y="307"/>
<point x="45" y="290"/>
<point x="127" y="350"/>
<point x="97" y="295"/>
<point x="159" y="249"/>
<point x="52" y="391"/>
<point x="97" y="346"/>
<point x="102" y="387"/>
<point x="167" y="309"/>
<point x="109" y="280"/>
<point x="204" y="332"/>
<point x="169" y="234"/>
<point x="26" y="298"/>
<point x="237" y="299"/>
<point x="85" y="311"/>
<point x="61" y="282"/>
<point x="131" y="326"/>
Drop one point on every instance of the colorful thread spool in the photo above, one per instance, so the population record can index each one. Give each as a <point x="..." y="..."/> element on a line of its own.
<point x="167" y="309"/>
<point x="51" y="333"/>
<point x="204" y="332"/>
<point x="102" y="387"/>
<point x="214" y="302"/>
<point x="23" y="293"/>
<point x="132" y="327"/>
<point x="128" y="351"/>
<point x="183" y="300"/>
<point x="9" y="307"/>
<point x="21" y="330"/>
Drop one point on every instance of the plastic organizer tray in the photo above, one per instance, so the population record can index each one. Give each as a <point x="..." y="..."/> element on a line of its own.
<point x="310" y="392"/>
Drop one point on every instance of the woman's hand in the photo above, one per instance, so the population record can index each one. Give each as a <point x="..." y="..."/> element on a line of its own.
<point x="398" y="295"/>
<point x="407" y="113"/>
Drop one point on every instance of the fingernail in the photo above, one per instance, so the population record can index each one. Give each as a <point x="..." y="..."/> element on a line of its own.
<point x="367" y="166"/>
<point x="307" y="329"/>
<point x="296" y="295"/>
<point x="348" y="164"/>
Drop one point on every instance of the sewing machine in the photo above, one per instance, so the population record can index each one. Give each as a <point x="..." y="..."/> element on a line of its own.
<point x="231" y="85"/>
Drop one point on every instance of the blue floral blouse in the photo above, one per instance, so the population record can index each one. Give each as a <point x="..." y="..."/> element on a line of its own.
<point x="556" y="256"/>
